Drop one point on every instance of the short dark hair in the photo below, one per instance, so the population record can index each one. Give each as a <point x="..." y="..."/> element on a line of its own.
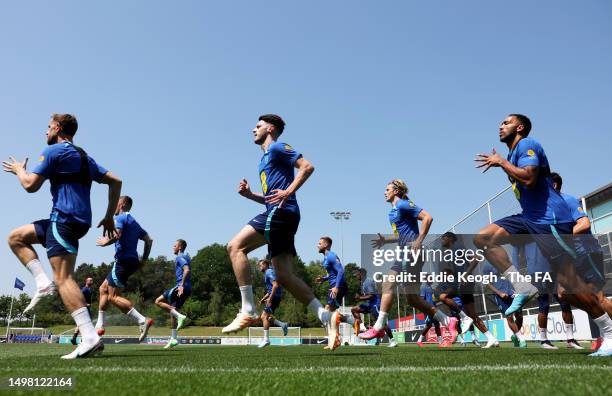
<point x="275" y="120"/>
<point x="328" y="240"/>
<point x="128" y="201"/>
<point x="183" y="244"/>
<point x="525" y="121"/>
<point x="556" y="178"/>
<point x="67" y="122"/>
<point x="265" y="261"/>
<point x="450" y="235"/>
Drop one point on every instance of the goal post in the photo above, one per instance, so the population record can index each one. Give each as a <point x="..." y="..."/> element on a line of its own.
<point x="27" y="335"/>
<point x="293" y="337"/>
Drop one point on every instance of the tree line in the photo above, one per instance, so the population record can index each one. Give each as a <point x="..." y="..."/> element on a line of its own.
<point x="215" y="297"/>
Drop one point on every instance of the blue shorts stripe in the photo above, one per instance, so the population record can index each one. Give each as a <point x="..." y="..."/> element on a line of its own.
<point x="268" y="221"/>
<point x="61" y="240"/>
<point x="170" y="294"/>
<point x="568" y="249"/>
<point x="115" y="278"/>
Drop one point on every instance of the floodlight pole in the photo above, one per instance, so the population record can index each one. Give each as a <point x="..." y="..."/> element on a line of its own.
<point x="8" y="321"/>
<point x="341" y="216"/>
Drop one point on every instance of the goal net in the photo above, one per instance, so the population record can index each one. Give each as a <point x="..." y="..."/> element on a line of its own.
<point x="27" y="335"/>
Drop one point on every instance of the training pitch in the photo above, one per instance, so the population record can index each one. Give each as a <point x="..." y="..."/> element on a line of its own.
<point x="147" y="370"/>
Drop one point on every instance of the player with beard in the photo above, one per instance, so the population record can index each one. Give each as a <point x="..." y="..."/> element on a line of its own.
<point x="70" y="170"/>
<point x="546" y="217"/>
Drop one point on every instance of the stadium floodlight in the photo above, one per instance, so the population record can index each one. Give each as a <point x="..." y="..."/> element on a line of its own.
<point x="341" y="216"/>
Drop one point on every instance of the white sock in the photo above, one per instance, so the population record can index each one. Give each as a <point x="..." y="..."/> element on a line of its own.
<point x="381" y="322"/>
<point x="175" y="313"/>
<point x="40" y="277"/>
<point x="248" y="305"/>
<point x="490" y="336"/>
<point x="462" y="315"/>
<point x="316" y="308"/>
<point x="520" y="286"/>
<point x="133" y="313"/>
<point x="605" y="326"/>
<point x="278" y="323"/>
<point x="266" y="335"/>
<point x="174" y="334"/>
<point x="100" y="321"/>
<point x="519" y="335"/>
<point x="569" y="331"/>
<point x="420" y="338"/>
<point x="83" y="322"/>
<point x="543" y="335"/>
<point x="440" y="339"/>
<point x="441" y="317"/>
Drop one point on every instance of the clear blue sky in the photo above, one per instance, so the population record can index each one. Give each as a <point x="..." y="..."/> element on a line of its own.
<point x="167" y="93"/>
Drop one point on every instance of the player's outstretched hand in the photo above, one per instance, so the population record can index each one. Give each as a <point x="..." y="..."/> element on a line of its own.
<point x="13" y="166"/>
<point x="277" y="196"/>
<point x="488" y="160"/>
<point x="102" y="241"/>
<point x="378" y="243"/>
<point x="108" y="227"/>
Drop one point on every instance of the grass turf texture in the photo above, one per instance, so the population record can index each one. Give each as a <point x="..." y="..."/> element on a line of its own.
<point x="145" y="370"/>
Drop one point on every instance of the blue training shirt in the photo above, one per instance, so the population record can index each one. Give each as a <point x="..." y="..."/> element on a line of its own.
<point x="404" y="221"/>
<point x="131" y="233"/>
<point x="583" y="243"/>
<point x="269" y="277"/>
<point x="182" y="260"/>
<point x="335" y="272"/>
<point x="86" y="291"/>
<point x="541" y="204"/>
<point x="369" y="287"/>
<point x="427" y="294"/>
<point x="276" y="172"/>
<point x="71" y="203"/>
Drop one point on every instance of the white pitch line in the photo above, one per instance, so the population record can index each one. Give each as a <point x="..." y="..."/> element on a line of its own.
<point x="302" y="370"/>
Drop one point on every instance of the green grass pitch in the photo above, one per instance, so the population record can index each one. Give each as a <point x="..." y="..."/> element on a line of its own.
<point x="289" y="370"/>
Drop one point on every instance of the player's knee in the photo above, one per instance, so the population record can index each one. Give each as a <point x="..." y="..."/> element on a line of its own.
<point x="14" y="239"/>
<point x="482" y="239"/>
<point x="233" y="247"/>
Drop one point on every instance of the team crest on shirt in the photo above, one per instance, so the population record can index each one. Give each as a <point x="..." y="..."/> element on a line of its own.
<point x="580" y="209"/>
<point x="288" y="147"/>
<point x="530" y="152"/>
<point x="411" y="204"/>
<point x="41" y="158"/>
